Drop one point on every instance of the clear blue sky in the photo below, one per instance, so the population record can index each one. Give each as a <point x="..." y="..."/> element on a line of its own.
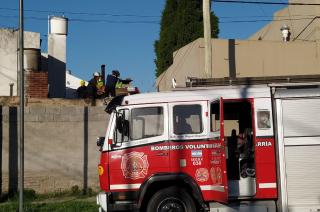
<point x="123" y="37"/>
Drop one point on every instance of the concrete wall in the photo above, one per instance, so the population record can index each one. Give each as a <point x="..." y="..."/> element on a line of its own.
<point x="242" y="58"/>
<point x="60" y="146"/>
<point x="8" y="57"/>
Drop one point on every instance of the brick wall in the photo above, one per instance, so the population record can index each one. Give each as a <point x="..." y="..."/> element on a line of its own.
<point x="37" y="86"/>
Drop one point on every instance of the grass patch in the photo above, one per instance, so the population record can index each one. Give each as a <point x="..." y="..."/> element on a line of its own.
<point x="70" y="200"/>
<point x="74" y="205"/>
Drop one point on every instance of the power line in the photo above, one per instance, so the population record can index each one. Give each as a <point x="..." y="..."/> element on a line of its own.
<point x="265" y="20"/>
<point x="85" y="20"/>
<point x="265" y="2"/>
<point x="128" y="15"/>
<point x="155" y="22"/>
<point x="263" y="16"/>
<point x="112" y="21"/>
<point x="305" y="17"/>
<point x="83" y="13"/>
<point x="221" y="17"/>
<point x="268" y="27"/>
<point x="149" y="16"/>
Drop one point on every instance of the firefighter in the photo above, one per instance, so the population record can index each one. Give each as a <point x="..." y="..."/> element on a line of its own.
<point x="233" y="157"/>
<point x="111" y="82"/>
<point x="92" y="86"/>
<point x="245" y="146"/>
<point x="182" y="126"/>
<point x="100" y="88"/>
<point x="82" y="90"/>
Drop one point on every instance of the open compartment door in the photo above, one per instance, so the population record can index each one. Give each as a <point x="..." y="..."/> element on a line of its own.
<point x="218" y="170"/>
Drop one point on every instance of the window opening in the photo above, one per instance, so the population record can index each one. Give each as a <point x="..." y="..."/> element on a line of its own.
<point x="187" y="119"/>
<point x="146" y="122"/>
<point x="215" y="117"/>
<point x="240" y="149"/>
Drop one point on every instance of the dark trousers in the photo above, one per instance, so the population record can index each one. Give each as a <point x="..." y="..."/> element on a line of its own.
<point x="91" y="92"/>
<point x="110" y="91"/>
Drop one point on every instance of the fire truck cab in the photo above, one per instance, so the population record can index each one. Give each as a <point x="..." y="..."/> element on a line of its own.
<point x="234" y="148"/>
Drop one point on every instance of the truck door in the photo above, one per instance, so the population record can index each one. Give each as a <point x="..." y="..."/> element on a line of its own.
<point x="239" y="135"/>
<point x="133" y="157"/>
<point x="218" y="170"/>
<point x="195" y="150"/>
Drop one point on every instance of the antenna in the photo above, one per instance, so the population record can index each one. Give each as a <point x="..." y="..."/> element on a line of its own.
<point x="174" y="83"/>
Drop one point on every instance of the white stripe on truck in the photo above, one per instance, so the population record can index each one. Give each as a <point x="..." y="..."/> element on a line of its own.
<point x="124" y="186"/>
<point x="212" y="188"/>
<point x="267" y="185"/>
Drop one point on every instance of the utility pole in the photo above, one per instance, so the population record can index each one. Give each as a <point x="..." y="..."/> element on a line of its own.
<point x="21" y="114"/>
<point x="207" y="38"/>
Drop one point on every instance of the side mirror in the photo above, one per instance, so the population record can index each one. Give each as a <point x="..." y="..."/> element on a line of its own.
<point x="100" y="142"/>
<point x="121" y="129"/>
<point x="125" y="128"/>
<point x="119" y="123"/>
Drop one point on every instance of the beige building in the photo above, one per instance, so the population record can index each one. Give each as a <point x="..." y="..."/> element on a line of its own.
<point x="265" y="54"/>
<point x="303" y="21"/>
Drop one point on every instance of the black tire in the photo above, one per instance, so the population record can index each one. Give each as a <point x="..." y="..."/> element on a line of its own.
<point x="172" y="199"/>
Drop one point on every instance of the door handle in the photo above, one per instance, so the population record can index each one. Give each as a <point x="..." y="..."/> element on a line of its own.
<point x="162" y="154"/>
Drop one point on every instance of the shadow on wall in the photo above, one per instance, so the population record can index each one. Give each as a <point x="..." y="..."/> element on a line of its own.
<point x="71" y="93"/>
<point x="56" y="78"/>
<point x="1" y="136"/>
<point x="232" y="59"/>
<point x="85" y="150"/>
<point x="233" y="68"/>
<point x="244" y="90"/>
<point x="13" y="151"/>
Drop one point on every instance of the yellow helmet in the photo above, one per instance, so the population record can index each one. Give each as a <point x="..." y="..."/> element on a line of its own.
<point x="82" y="82"/>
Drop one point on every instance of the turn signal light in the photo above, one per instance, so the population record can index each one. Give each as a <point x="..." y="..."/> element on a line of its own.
<point x="100" y="170"/>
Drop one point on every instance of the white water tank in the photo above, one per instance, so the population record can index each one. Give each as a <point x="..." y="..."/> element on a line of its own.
<point x="58" y="25"/>
<point x="31" y="59"/>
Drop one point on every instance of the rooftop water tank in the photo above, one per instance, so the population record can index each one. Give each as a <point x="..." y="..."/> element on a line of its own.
<point x="58" y="25"/>
<point x="31" y="59"/>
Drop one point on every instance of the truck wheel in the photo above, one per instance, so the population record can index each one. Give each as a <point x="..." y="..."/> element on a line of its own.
<point x="172" y="199"/>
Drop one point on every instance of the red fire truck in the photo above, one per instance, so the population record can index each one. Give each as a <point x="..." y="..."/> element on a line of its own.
<point x="233" y="148"/>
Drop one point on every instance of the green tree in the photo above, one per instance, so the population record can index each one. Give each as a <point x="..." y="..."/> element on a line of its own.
<point x="181" y="23"/>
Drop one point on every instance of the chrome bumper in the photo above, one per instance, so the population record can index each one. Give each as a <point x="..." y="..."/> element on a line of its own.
<point x="102" y="202"/>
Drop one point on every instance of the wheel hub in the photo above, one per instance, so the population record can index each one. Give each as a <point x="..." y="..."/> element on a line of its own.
<point x="171" y="205"/>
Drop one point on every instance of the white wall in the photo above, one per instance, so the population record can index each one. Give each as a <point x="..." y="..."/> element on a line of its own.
<point x="8" y="57"/>
<point x="57" y="57"/>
